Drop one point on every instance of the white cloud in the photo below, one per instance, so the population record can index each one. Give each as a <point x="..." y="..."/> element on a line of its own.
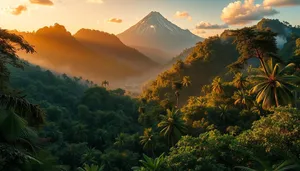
<point x="281" y="3"/>
<point x="239" y="13"/>
<point x="95" y="1"/>
<point x="183" y="14"/>
<point x="207" y="25"/>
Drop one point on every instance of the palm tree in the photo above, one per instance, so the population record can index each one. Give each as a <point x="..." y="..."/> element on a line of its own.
<point x="120" y="140"/>
<point x="172" y="126"/>
<point x="240" y="81"/>
<point x="177" y="86"/>
<point x="178" y="66"/>
<point x="105" y="83"/>
<point x="217" y="86"/>
<point x="206" y="89"/>
<point x="223" y="111"/>
<point x="274" y="89"/>
<point x="186" y="81"/>
<point x="242" y="98"/>
<point x="148" y="140"/>
<point x="91" y="168"/>
<point x="149" y="164"/>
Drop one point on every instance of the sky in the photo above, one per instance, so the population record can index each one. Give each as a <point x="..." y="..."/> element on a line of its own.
<point x="202" y="17"/>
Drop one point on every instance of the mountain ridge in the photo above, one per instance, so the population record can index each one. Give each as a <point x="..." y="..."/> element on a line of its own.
<point x="57" y="49"/>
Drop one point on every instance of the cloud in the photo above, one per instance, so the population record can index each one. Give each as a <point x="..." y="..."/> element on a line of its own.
<point x="199" y="32"/>
<point x="42" y="2"/>
<point x="18" y="10"/>
<point x="95" y="1"/>
<point x="281" y="3"/>
<point x="183" y="14"/>
<point x="207" y="25"/>
<point x="115" y="20"/>
<point x="238" y="13"/>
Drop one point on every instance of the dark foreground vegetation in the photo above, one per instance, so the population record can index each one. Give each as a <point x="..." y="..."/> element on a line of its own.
<point x="246" y="118"/>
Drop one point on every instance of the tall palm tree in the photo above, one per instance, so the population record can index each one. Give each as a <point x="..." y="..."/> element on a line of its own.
<point x="217" y="86"/>
<point x="172" y="126"/>
<point x="148" y="140"/>
<point x="177" y="86"/>
<point x="240" y="81"/>
<point x="105" y="83"/>
<point x="274" y="87"/>
<point x="186" y="81"/>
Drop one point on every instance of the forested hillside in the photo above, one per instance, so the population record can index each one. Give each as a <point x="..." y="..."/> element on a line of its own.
<point x="210" y="112"/>
<point x="210" y="58"/>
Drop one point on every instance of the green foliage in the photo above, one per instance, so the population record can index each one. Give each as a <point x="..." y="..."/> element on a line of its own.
<point x="9" y="45"/>
<point x="87" y="127"/>
<point x="252" y="43"/>
<point x="274" y="87"/>
<point x="149" y="164"/>
<point x="209" y="151"/>
<point x="285" y="165"/>
<point x="276" y="134"/>
<point x="297" y="52"/>
<point x="91" y="168"/>
<point x="207" y="60"/>
<point x="172" y="126"/>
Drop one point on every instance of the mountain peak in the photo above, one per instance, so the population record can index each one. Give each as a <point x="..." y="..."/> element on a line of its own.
<point x="157" y="32"/>
<point x="56" y="29"/>
<point x="154" y="13"/>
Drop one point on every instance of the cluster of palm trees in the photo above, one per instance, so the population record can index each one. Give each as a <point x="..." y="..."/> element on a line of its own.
<point x="105" y="83"/>
<point x="171" y="126"/>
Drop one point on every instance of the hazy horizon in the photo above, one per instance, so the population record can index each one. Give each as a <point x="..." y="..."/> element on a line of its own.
<point x="203" y="18"/>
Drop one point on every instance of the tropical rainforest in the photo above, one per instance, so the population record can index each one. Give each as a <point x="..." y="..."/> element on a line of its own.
<point x="231" y="104"/>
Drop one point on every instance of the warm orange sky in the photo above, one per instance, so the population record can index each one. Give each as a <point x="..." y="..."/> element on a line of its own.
<point x="204" y="17"/>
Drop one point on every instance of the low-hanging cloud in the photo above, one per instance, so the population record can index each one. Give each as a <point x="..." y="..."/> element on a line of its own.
<point x="115" y="20"/>
<point x="207" y="25"/>
<point x="199" y="32"/>
<point x="281" y="3"/>
<point x="42" y="2"/>
<point x="239" y="13"/>
<point x="183" y="14"/>
<point x="18" y="10"/>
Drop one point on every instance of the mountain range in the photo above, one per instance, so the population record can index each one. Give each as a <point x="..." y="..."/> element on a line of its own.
<point x="159" y="34"/>
<point x="88" y="53"/>
<point x="99" y="56"/>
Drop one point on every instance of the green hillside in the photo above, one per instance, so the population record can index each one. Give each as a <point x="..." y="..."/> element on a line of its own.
<point x="210" y="112"/>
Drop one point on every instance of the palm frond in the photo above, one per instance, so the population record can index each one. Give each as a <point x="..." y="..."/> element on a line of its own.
<point x="32" y="113"/>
